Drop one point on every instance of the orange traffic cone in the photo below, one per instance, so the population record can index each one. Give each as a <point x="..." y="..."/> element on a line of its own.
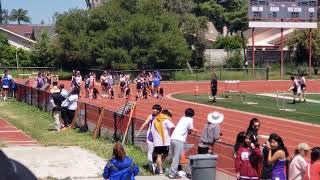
<point x="183" y="159"/>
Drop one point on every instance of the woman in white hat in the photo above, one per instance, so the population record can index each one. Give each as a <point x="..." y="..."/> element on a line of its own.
<point x="298" y="163"/>
<point x="211" y="132"/>
<point x="56" y="101"/>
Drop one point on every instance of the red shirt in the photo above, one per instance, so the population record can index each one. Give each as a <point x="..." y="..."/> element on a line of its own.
<point x="313" y="171"/>
<point x="243" y="166"/>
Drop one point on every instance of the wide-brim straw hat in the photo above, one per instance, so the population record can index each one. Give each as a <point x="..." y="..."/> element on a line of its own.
<point x="215" y="117"/>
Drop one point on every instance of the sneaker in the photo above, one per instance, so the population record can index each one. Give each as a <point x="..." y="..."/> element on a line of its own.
<point x="174" y="176"/>
<point x="153" y="168"/>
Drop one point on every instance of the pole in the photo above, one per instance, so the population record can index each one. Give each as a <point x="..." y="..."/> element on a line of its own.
<point x="281" y="54"/>
<point x="253" y="54"/>
<point x="310" y="53"/>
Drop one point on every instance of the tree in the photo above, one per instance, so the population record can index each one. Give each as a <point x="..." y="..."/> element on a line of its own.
<point x="20" y="15"/>
<point x="299" y="42"/>
<point x="42" y="54"/>
<point x="115" y="36"/>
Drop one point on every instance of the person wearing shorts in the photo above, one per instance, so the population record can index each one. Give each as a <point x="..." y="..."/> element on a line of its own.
<point x="156" y="109"/>
<point x="122" y="85"/>
<point x="214" y="87"/>
<point x="160" y="128"/>
<point x="139" y="82"/>
<point x="302" y="82"/>
<point x="104" y="84"/>
<point x="295" y="89"/>
<point x="156" y="84"/>
<point x="6" y="81"/>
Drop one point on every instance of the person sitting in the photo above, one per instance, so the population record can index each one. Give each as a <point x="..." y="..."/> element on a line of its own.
<point x="120" y="167"/>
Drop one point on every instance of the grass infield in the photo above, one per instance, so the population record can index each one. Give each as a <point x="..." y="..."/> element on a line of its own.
<point x="38" y="125"/>
<point x="304" y="111"/>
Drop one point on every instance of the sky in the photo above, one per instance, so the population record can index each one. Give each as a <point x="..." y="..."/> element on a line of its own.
<point x="43" y="9"/>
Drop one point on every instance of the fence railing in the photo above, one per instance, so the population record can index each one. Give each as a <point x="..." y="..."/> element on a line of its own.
<point x="114" y="124"/>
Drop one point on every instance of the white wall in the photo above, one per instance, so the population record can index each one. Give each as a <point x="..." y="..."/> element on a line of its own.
<point x="215" y="57"/>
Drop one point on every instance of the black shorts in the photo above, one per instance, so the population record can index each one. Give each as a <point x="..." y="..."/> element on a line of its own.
<point x="161" y="150"/>
<point x="213" y="91"/>
<point x="139" y="85"/>
<point x="303" y="86"/>
<point x="122" y="84"/>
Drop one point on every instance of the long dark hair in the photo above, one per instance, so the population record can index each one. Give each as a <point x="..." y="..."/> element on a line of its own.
<point x="240" y="140"/>
<point x="281" y="145"/>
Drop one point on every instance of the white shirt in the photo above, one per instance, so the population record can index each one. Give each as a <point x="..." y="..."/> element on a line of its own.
<point x="73" y="102"/>
<point x="297" y="168"/>
<point x="181" y="131"/>
<point x="157" y="141"/>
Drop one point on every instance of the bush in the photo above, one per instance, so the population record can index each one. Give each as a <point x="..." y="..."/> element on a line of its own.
<point x="234" y="61"/>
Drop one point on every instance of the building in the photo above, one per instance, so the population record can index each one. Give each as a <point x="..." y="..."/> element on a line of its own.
<point x="25" y="36"/>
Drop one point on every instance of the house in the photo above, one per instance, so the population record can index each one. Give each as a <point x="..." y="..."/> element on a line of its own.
<point x="25" y="36"/>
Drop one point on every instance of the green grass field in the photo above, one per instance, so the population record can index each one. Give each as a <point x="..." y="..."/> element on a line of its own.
<point x="305" y="111"/>
<point x="313" y="96"/>
<point x="37" y="124"/>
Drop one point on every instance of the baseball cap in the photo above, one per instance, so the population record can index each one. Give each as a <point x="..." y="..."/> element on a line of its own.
<point x="304" y="146"/>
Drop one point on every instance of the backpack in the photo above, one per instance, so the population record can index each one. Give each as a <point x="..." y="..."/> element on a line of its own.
<point x="124" y="174"/>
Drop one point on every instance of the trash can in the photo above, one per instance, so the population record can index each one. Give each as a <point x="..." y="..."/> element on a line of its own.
<point x="203" y="166"/>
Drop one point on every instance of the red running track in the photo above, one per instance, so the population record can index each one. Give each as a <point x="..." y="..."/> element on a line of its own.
<point x="293" y="132"/>
<point x="11" y="136"/>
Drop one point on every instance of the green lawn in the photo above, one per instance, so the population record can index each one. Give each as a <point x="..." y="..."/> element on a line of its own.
<point x="37" y="124"/>
<point x="305" y="111"/>
<point x="313" y="96"/>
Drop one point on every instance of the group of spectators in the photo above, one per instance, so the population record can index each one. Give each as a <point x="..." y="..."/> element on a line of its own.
<point x="165" y="139"/>
<point x="64" y="105"/>
<point x="272" y="160"/>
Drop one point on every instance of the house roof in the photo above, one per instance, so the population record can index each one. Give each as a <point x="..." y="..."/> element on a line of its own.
<point x="29" y="31"/>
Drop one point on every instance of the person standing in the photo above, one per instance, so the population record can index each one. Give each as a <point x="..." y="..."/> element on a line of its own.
<point x="211" y="133"/>
<point x="156" y="109"/>
<point x="178" y="138"/>
<point x="313" y="168"/>
<point x="214" y="87"/>
<point x="298" y="164"/>
<point x="247" y="157"/>
<point x="72" y="105"/>
<point x="56" y="100"/>
<point x="40" y="81"/>
<point x="6" y="80"/>
<point x="160" y="128"/>
<point x="277" y="156"/>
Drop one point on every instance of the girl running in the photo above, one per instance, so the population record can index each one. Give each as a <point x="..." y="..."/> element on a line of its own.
<point x="104" y="84"/>
<point x="122" y="85"/>
<point x="295" y="89"/>
<point x="156" y="83"/>
<point x="39" y="81"/>
<point x="302" y="82"/>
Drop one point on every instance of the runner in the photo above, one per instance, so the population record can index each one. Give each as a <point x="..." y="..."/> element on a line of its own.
<point x="139" y="82"/>
<point x="6" y="81"/>
<point x="73" y="78"/>
<point x="122" y="84"/>
<point x="295" y="89"/>
<point x="150" y="81"/>
<point x="110" y="89"/>
<point x="39" y="81"/>
<point x="302" y="82"/>
<point x="104" y="84"/>
<point x="78" y="82"/>
<point x="156" y="83"/>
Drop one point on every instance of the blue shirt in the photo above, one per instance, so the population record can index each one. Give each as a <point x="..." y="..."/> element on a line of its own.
<point x="119" y="165"/>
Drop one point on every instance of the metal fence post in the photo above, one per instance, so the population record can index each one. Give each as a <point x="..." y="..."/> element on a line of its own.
<point x="115" y="126"/>
<point x="132" y="129"/>
<point x="38" y="99"/>
<point x="267" y="73"/>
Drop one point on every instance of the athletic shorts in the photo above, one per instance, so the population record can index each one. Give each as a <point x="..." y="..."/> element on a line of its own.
<point x="122" y="84"/>
<point x="161" y="150"/>
<point x="139" y="85"/>
<point x="303" y="86"/>
<point x="213" y="91"/>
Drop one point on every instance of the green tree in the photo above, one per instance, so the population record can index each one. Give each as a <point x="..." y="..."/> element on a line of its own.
<point x="42" y="54"/>
<point x="20" y="15"/>
<point x="299" y="42"/>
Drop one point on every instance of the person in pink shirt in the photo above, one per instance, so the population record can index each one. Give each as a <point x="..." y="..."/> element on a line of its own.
<point x="313" y="168"/>
<point x="298" y="163"/>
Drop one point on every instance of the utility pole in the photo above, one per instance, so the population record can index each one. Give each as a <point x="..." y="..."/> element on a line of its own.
<point x="0" y="13"/>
